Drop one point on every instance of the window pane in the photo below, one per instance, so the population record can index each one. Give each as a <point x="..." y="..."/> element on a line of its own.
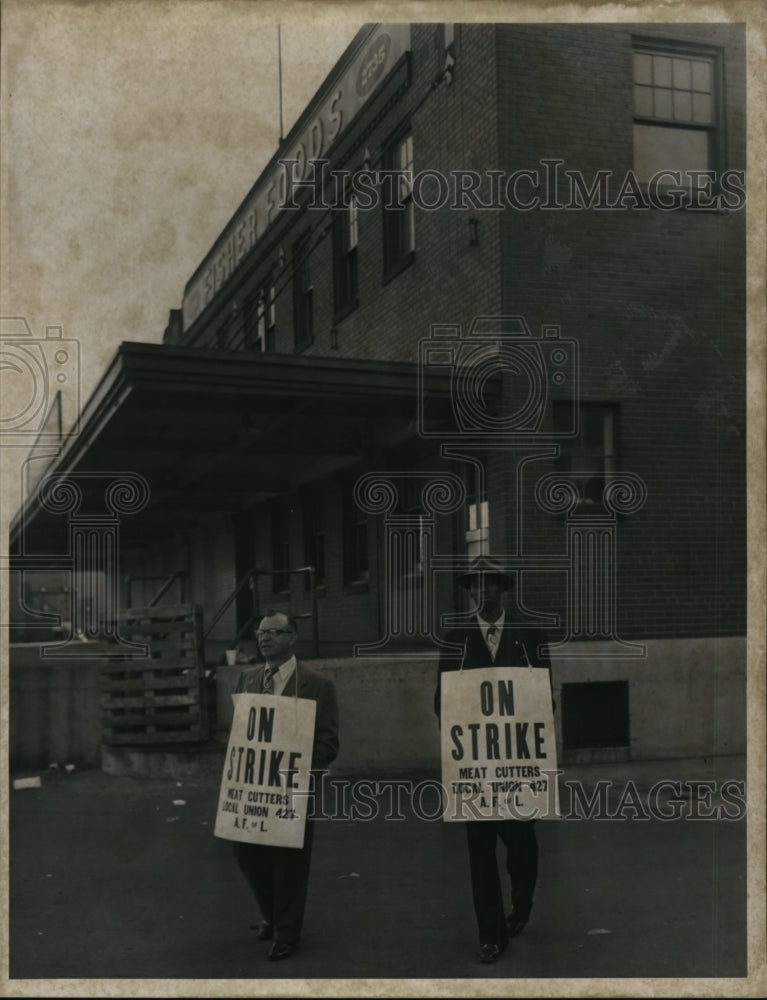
<point x="410" y="227"/>
<point x="642" y="68"/>
<point x="302" y="295"/>
<point x="409" y="153"/>
<point x="701" y="76"/>
<point x="472" y="517"/>
<point x="682" y="73"/>
<point x="658" y="147"/>
<point x="361" y="551"/>
<point x="592" y="423"/>
<point x="701" y="108"/>
<point x="663" y="103"/>
<point x="398" y="225"/>
<point x="609" y="439"/>
<point x="261" y="317"/>
<point x="662" y="66"/>
<point x="682" y="106"/>
<point x="484" y="514"/>
<point x="643" y="101"/>
<point x="352" y="223"/>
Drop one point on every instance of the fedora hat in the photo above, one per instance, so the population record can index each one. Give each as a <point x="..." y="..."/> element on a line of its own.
<point x="485" y="566"/>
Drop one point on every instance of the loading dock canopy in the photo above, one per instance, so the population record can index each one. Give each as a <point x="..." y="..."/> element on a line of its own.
<point x="216" y="431"/>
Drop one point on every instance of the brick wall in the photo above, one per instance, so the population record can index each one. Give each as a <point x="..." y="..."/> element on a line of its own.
<point x="655" y="301"/>
<point x="449" y="280"/>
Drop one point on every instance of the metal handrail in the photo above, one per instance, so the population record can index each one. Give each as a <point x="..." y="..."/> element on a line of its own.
<point x="246" y="627"/>
<point x="229" y="601"/>
<point x="180" y="574"/>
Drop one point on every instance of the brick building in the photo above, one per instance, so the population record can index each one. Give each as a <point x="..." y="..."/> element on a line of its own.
<point x="518" y="273"/>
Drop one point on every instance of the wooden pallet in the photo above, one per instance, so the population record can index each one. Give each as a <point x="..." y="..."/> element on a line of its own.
<point x="159" y="698"/>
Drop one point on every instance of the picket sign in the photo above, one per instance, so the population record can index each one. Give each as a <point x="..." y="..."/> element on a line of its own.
<point x="499" y="754"/>
<point x="264" y="794"/>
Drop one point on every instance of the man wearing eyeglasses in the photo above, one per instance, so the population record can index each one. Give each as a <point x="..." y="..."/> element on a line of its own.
<point x="279" y="876"/>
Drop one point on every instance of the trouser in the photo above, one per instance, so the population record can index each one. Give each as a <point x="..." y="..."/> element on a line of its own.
<point x="518" y="837"/>
<point x="279" y="878"/>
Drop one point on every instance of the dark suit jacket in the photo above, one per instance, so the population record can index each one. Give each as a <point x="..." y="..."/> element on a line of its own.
<point x="310" y="685"/>
<point x="520" y="646"/>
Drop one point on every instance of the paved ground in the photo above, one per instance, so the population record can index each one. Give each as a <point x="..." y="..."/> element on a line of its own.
<point x="110" y="879"/>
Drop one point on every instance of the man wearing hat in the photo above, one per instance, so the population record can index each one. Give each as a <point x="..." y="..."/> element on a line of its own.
<point x="488" y="638"/>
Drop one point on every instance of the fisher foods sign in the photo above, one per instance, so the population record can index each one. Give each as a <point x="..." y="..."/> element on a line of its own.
<point x="315" y="132"/>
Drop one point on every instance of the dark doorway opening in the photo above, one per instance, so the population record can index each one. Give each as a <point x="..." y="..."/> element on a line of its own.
<point x="595" y="717"/>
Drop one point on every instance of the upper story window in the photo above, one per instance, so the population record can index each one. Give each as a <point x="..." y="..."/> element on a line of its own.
<point x="261" y="319"/>
<point x="477" y="523"/>
<point x="590" y="459"/>
<point x="345" y="243"/>
<point x="676" y="110"/>
<point x="447" y="43"/>
<point x="356" y="554"/>
<point x="314" y="535"/>
<point x="303" y="316"/>
<point x="225" y="334"/>
<point x="399" y="209"/>
<point x="267" y="317"/>
<point x="413" y="556"/>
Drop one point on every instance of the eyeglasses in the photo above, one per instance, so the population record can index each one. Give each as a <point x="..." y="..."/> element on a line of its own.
<point x="272" y="632"/>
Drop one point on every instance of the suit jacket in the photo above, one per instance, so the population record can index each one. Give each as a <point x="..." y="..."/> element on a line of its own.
<point x="520" y="646"/>
<point x="310" y="685"/>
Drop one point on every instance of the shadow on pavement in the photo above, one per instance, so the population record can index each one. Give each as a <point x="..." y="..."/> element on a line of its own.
<point x="116" y="877"/>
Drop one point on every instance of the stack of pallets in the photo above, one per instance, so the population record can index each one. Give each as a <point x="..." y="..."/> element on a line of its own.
<point x="159" y="698"/>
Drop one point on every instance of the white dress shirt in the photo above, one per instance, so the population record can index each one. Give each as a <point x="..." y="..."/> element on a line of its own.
<point x="492" y="642"/>
<point x="282" y="675"/>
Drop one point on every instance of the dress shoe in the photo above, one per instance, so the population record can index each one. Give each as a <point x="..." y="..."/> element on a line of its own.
<point x="516" y="923"/>
<point x="280" y="950"/>
<point x="265" y="931"/>
<point x="490" y="953"/>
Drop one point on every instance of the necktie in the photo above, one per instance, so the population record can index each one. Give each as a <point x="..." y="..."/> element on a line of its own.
<point x="492" y="640"/>
<point x="268" y="681"/>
